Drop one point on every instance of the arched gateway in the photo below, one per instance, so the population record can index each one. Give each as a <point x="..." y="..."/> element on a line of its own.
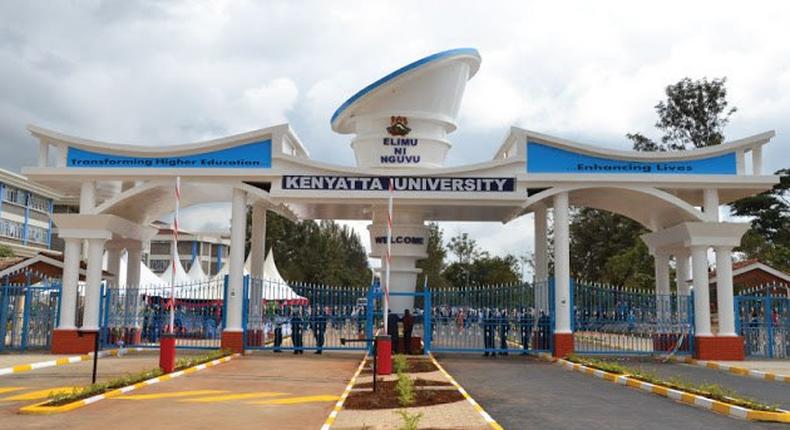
<point x="401" y="126"/>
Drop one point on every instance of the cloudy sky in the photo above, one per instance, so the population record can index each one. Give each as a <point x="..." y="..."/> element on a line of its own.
<point x="168" y="72"/>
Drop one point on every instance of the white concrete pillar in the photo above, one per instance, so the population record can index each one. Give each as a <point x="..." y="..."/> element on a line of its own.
<point x="562" y="277"/>
<point x="724" y="291"/>
<point x="68" y="291"/>
<point x="87" y="197"/>
<point x="757" y="160"/>
<point x="133" y="259"/>
<point x="541" y="274"/>
<point x="699" y="265"/>
<point x="90" y="318"/>
<point x="683" y="274"/>
<point x="114" y="263"/>
<point x="43" y="154"/>
<point x="663" y="299"/>
<point x="257" y="258"/>
<point x="238" y="226"/>
<point x="710" y="206"/>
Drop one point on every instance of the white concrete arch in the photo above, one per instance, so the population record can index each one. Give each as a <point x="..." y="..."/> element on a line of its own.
<point x="653" y="208"/>
<point x="147" y="202"/>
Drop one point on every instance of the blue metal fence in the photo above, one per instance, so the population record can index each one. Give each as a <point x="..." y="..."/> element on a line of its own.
<point x="762" y="317"/>
<point x="28" y="314"/>
<point x="615" y="320"/>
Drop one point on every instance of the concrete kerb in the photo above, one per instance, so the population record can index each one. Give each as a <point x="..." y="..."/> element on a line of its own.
<point x="40" y="409"/>
<point x="677" y="395"/>
<point x="735" y="370"/>
<point x="339" y="405"/>
<point x="490" y="420"/>
<point x="63" y="361"/>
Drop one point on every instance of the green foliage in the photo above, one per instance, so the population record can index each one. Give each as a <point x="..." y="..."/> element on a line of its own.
<point x="433" y="266"/>
<point x="6" y="251"/>
<point x="484" y="270"/>
<point x="465" y="248"/>
<point x="405" y="389"/>
<point x="769" y="237"/>
<point x="317" y="252"/>
<point x="410" y="421"/>
<point x="606" y="247"/>
<point x="694" y="113"/>
<point x="400" y="363"/>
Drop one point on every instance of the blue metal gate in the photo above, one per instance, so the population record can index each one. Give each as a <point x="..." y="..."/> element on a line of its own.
<point x="615" y="320"/>
<point x="762" y="317"/>
<point x="28" y="313"/>
<point x="492" y="319"/>
<point x="303" y="317"/>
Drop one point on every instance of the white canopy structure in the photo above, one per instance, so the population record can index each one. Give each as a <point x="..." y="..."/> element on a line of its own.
<point x="274" y="286"/>
<point x="196" y="272"/>
<point x="181" y="276"/>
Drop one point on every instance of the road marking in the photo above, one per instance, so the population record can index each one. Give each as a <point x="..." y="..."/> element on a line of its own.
<point x="488" y="418"/>
<point x="170" y="395"/>
<point x="298" y="400"/>
<point x="735" y="370"/>
<point x="10" y="389"/>
<point x="339" y="405"/>
<point x="62" y="361"/>
<point x="241" y="396"/>
<point x="38" y="394"/>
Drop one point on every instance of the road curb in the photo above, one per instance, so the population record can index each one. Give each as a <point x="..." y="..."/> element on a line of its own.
<point x="339" y="405"/>
<point x="690" y="399"/>
<point x="61" y="361"/>
<point x="735" y="370"/>
<point x="490" y="420"/>
<point x="40" y="409"/>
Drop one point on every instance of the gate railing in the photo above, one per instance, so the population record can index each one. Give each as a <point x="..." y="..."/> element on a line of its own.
<point x="762" y="317"/>
<point x="28" y="314"/>
<point x="616" y="320"/>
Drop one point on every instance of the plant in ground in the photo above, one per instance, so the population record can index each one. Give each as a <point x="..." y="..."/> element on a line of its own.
<point x="400" y="364"/>
<point x="405" y="388"/>
<point x="410" y="421"/>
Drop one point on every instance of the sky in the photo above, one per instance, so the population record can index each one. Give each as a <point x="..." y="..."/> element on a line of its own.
<point x="170" y="72"/>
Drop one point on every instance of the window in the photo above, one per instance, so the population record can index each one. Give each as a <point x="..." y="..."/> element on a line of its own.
<point x="14" y="195"/>
<point x="36" y="234"/>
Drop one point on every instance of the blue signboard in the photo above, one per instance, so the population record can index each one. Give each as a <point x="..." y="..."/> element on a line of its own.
<point x="548" y="159"/>
<point x="247" y="156"/>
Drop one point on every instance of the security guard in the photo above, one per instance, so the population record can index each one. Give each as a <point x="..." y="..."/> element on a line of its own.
<point x="526" y="322"/>
<point x="296" y="330"/>
<point x="319" y="329"/>
<point x="504" y="331"/>
<point x="488" y="332"/>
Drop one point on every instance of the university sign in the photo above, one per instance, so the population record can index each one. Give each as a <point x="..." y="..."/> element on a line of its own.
<point x="549" y="159"/>
<point x="399" y="183"/>
<point x="248" y="156"/>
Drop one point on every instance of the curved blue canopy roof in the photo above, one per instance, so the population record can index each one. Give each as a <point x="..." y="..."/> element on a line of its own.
<point x="397" y="73"/>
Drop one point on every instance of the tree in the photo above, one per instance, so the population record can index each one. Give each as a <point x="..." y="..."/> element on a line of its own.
<point x="465" y="248"/>
<point x="6" y="251"/>
<point x="484" y="270"/>
<point x="694" y="113"/>
<point x="434" y="264"/>
<point x="769" y="236"/>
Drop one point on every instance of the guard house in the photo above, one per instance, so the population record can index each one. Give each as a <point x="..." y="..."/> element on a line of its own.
<point x="400" y="130"/>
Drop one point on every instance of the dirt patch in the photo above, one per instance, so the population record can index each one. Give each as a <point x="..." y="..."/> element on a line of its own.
<point x="416" y="365"/>
<point x="419" y="382"/>
<point x="386" y="397"/>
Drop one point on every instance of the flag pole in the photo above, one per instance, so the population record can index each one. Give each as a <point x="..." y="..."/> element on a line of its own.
<point x="174" y="258"/>
<point x="388" y="256"/>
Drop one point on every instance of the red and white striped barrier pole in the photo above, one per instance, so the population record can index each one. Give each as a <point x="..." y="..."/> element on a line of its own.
<point x="167" y="343"/>
<point x="388" y="256"/>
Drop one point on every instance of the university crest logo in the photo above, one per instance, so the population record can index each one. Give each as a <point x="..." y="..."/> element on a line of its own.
<point x="398" y="126"/>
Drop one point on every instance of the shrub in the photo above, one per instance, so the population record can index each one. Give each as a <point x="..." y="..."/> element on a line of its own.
<point x="400" y="364"/>
<point x="405" y="388"/>
<point x="410" y="421"/>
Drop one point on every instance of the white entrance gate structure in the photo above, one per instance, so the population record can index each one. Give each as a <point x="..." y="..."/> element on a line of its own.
<point x="400" y="126"/>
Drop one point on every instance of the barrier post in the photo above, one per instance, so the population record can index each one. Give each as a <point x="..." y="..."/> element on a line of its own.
<point x="384" y="354"/>
<point x="167" y="352"/>
<point x="427" y="322"/>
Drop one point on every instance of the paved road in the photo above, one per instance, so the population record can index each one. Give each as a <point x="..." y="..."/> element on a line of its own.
<point x="261" y="391"/>
<point x="769" y="392"/>
<point x="523" y="392"/>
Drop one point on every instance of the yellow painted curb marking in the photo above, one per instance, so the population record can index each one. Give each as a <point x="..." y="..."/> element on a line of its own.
<point x="10" y="389"/>
<point x="170" y="395"/>
<point x="38" y="394"/>
<point x="297" y="400"/>
<point x="241" y="396"/>
<point x="486" y="416"/>
<point x="339" y="405"/>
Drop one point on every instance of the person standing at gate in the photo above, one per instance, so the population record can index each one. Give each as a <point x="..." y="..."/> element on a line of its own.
<point x="279" y="321"/>
<point x="408" y="326"/>
<point x="544" y="323"/>
<point x="526" y="322"/>
<point x="392" y="330"/>
<point x="488" y="332"/>
<point x="296" y="330"/>
<point x="319" y="329"/>
<point x="504" y="331"/>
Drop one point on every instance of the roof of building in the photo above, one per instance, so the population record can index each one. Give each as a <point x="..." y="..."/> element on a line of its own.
<point x="24" y="183"/>
<point x="745" y="266"/>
